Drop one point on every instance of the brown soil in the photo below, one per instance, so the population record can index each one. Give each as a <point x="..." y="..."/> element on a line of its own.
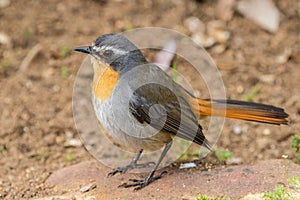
<point x="36" y="105"/>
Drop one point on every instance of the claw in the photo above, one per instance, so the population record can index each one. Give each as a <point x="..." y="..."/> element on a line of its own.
<point x="110" y="174"/>
<point x="141" y="183"/>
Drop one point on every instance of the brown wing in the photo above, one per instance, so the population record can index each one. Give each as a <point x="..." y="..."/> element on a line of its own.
<point x="162" y="109"/>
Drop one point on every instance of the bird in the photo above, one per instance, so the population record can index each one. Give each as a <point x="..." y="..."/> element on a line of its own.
<point x="141" y="108"/>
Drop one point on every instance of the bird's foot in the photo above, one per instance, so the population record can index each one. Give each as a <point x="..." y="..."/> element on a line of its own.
<point x="139" y="184"/>
<point x="131" y="166"/>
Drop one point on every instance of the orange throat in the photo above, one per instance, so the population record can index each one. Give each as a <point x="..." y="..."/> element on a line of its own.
<point x="105" y="80"/>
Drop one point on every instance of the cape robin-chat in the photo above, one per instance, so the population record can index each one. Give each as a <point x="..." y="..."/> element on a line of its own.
<point x="130" y="95"/>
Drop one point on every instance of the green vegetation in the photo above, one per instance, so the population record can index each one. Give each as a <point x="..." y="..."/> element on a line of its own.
<point x="64" y="50"/>
<point x="223" y="154"/>
<point x="204" y="197"/>
<point x="41" y="155"/>
<point x="295" y="182"/>
<point x="191" y="154"/>
<point x="253" y="92"/>
<point x="4" y="64"/>
<point x="296" y="145"/>
<point x="188" y="151"/>
<point x="27" y="35"/>
<point x="64" y="72"/>
<point x="175" y="73"/>
<point x="69" y="157"/>
<point x="3" y="149"/>
<point x="279" y="193"/>
<point x="129" y="26"/>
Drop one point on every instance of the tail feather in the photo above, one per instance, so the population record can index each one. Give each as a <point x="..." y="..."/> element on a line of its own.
<point x="243" y="110"/>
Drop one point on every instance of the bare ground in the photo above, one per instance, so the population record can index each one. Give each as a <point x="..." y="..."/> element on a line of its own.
<point x="36" y="104"/>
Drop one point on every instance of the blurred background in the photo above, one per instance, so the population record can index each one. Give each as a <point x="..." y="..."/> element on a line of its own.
<point x="255" y="45"/>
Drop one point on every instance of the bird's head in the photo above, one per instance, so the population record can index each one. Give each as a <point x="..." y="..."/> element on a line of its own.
<point x="116" y="51"/>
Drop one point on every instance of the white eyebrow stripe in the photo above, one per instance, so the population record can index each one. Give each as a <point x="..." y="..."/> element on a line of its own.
<point x="115" y="50"/>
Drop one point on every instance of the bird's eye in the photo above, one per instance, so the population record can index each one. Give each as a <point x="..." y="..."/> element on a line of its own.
<point x="107" y="53"/>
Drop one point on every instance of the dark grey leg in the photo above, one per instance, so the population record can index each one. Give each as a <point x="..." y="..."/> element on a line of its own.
<point x="139" y="184"/>
<point x="133" y="164"/>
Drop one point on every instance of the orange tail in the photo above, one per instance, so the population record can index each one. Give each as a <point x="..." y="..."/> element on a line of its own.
<point x="243" y="110"/>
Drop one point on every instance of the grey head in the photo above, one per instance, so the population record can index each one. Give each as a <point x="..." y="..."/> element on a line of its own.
<point x="116" y="50"/>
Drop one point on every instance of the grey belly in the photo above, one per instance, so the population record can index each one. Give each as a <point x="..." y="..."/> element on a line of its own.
<point x="124" y="130"/>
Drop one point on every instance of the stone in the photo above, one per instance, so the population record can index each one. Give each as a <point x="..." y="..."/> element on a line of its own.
<point x="234" y="182"/>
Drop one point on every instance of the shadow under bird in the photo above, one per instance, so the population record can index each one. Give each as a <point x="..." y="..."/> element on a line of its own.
<point x="130" y="94"/>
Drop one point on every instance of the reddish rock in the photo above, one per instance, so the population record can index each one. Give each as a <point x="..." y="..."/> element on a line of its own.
<point x="230" y="181"/>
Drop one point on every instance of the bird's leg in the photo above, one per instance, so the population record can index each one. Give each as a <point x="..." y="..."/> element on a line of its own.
<point x="132" y="165"/>
<point x="139" y="184"/>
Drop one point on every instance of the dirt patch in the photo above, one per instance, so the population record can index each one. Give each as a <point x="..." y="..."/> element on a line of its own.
<point x="36" y="105"/>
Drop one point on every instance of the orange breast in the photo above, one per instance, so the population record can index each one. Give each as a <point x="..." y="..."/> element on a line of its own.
<point x="104" y="83"/>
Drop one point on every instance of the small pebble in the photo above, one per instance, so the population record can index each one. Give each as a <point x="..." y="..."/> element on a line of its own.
<point x="187" y="165"/>
<point x="203" y="40"/>
<point x="56" y="88"/>
<point x="26" y="129"/>
<point x="262" y="12"/>
<point x="268" y="78"/>
<point x="234" y="160"/>
<point x="194" y="25"/>
<point x="285" y="156"/>
<point x="69" y="135"/>
<point x="221" y="36"/>
<point x="73" y="143"/>
<point x="240" y="89"/>
<point x="88" y="187"/>
<point x="237" y="129"/>
<point x="266" y="131"/>
<point x="4" y="39"/>
<point x="28" y="84"/>
<point x="284" y="57"/>
<point x="218" y="49"/>
<point x="217" y="29"/>
<point x="4" y="3"/>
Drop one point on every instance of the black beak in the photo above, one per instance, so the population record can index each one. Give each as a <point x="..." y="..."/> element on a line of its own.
<point x="84" y="49"/>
